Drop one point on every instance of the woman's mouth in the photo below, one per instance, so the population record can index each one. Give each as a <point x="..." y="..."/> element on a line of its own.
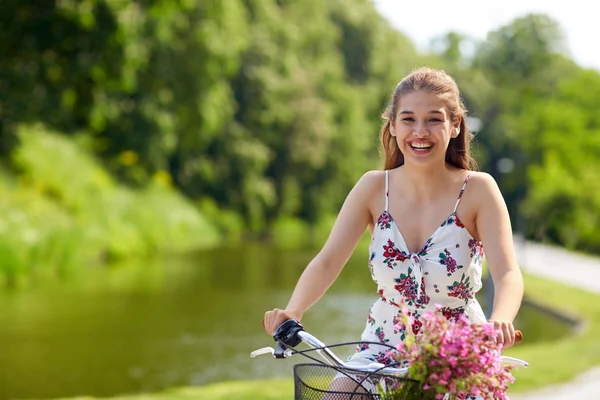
<point x="421" y="147"/>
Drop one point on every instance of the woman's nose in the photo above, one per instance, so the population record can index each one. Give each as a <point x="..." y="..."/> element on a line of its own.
<point x="421" y="130"/>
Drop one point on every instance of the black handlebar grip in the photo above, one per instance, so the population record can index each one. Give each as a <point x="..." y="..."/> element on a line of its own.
<point x="287" y="333"/>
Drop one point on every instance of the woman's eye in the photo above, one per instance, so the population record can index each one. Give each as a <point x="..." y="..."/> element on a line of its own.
<point x="435" y="120"/>
<point x="408" y="119"/>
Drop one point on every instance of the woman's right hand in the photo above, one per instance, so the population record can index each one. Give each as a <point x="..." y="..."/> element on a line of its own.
<point x="274" y="318"/>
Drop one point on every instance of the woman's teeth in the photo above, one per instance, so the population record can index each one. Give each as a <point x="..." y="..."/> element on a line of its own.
<point x="420" y="146"/>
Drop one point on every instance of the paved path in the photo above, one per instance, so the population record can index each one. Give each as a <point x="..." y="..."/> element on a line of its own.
<point x="585" y="387"/>
<point x="583" y="272"/>
<point x="558" y="264"/>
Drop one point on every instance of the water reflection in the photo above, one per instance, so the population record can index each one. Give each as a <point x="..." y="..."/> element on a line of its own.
<point x="153" y="324"/>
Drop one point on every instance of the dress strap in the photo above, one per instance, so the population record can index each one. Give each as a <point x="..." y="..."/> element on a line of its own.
<point x="386" y="189"/>
<point x="462" y="190"/>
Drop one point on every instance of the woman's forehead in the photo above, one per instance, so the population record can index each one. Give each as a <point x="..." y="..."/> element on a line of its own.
<point x="422" y="102"/>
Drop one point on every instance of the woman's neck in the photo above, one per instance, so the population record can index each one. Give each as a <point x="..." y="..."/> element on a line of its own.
<point x="427" y="183"/>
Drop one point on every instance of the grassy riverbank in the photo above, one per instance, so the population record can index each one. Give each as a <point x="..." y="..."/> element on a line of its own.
<point x="60" y="209"/>
<point x="564" y="359"/>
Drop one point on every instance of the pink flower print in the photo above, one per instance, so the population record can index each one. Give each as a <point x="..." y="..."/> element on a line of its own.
<point x="407" y="287"/>
<point x="423" y="297"/>
<point x="457" y="221"/>
<point x="452" y="314"/>
<point x="393" y="255"/>
<point x="450" y="263"/>
<point x="399" y="327"/>
<point x="461" y="290"/>
<point x="416" y="327"/>
<point x="476" y="249"/>
<point x="384" y="357"/>
<point x="472" y="243"/>
<point x="381" y="335"/>
<point x="453" y="219"/>
<point x="371" y="320"/>
<point x="380" y="293"/>
<point x="384" y="221"/>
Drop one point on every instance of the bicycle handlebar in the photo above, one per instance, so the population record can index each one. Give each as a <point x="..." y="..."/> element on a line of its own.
<point x="291" y="333"/>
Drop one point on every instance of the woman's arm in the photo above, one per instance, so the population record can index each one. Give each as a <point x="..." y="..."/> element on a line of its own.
<point x="321" y="272"/>
<point x="495" y="232"/>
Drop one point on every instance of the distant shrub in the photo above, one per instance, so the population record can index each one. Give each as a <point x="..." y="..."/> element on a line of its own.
<point x="63" y="210"/>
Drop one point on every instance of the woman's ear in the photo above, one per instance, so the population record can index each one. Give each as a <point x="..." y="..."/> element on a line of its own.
<point x="456" y="128"/>
<point x="392" y="128"/>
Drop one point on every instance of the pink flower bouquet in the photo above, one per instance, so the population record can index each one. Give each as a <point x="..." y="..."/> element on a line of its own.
<point x="452" y="359"/>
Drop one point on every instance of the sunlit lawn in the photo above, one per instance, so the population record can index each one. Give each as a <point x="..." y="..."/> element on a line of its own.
<point x="274" y="389"/>
<point x="560" y="360"/>
<point x="550" y="362"/>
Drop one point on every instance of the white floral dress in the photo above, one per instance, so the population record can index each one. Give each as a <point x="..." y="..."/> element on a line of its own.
<point x="445" y="271"/>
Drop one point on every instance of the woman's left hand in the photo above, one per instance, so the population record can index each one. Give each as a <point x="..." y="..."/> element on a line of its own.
<point x="506" y="333"/>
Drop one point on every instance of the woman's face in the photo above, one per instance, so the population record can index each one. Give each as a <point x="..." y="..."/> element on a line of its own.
<point x="423" y="128"/>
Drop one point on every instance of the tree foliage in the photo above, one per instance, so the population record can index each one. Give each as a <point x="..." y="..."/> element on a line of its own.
<point x="271" y="109"/>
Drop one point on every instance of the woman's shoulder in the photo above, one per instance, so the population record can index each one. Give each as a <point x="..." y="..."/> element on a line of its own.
<point x="481" y="180"/>
<point x="370" y="183"/>
<point x="372" y="179"/>
<point x="482" y="186"/>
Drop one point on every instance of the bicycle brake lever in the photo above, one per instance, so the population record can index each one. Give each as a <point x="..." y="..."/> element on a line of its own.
<point x="264" y="350"/>
<point x="280" y="351"/>
<point x="286" y="336"/>
<point x="514" y="361"/>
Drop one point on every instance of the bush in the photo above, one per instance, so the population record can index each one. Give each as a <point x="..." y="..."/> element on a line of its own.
<point x="63" y="210"/>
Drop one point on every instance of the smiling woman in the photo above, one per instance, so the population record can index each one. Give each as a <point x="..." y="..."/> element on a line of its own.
<point x="417" y="130"/>
<point x="428" y="229"/>
<point x="425" y="108"/>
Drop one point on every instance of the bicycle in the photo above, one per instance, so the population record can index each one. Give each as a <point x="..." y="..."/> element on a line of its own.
<point x="335" y="379"/>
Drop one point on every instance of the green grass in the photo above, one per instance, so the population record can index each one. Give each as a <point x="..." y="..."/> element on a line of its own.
<point x="272" y="389"/>
<point x="60" y="210"/>
<point x="550" y="362"/>
<point x="561" y="360"/>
